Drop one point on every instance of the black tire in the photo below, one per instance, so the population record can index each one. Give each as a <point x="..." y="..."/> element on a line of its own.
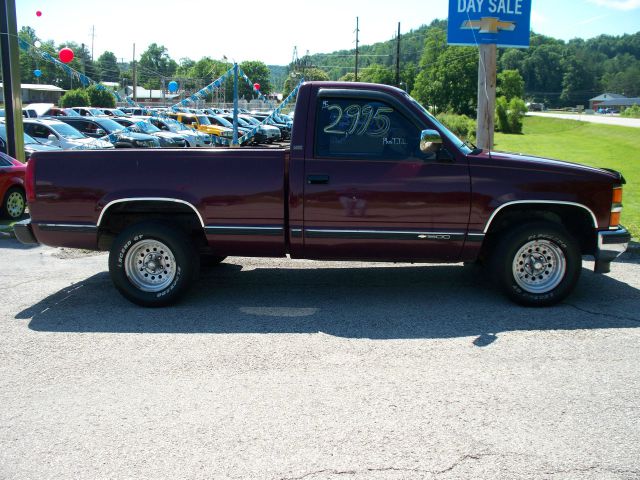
<point x="14" y="203"/>
<point x="209" y="260"/>
<point x="153" y="264"/>
<point x="548" y="266"/>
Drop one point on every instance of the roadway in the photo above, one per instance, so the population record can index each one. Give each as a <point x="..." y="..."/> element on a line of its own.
<point x="602" y="119"/>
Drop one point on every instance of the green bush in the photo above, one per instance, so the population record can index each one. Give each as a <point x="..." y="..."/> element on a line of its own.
<point x="75" y="98"/>
<point x="100" y="98"/>
<point x="517" y="111"/>
<point x="509" y="115"/>
<point x="502" y="117"/>
<point x="463" y="126"/>
<point x="631" y="112"/>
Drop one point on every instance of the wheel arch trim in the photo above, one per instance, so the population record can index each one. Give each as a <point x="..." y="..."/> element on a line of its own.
<point x="539" y="202"/>
<point x="148" y="199"/>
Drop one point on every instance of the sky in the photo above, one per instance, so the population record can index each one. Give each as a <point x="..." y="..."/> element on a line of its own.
<point x="269" y="31"/>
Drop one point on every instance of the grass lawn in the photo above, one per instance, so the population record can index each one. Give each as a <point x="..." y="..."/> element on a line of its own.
<point x="588" y="143"/>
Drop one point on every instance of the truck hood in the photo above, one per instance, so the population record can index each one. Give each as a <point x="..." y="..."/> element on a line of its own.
<point x="518" y="160"/>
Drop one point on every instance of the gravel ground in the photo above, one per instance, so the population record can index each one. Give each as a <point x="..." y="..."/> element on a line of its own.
<point x="280" y="369"/>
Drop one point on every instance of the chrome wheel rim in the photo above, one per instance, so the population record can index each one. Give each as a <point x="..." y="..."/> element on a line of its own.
<point x="150" y="265"/>
<point x="539" y="266"/>
<point x="15" y="204"/>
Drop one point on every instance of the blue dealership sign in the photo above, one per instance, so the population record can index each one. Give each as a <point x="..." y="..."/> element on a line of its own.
<point x="503" y="22"/>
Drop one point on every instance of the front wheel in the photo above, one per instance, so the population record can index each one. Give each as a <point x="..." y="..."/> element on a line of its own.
<point x="153" y="264"/>
<point x="537" y="264"/>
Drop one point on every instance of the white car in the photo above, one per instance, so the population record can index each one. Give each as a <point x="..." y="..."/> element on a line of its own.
<point x="59" y="134"/>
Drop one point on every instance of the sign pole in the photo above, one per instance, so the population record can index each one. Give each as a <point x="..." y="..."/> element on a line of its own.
<point x="234" y="141"/>
<point x="486" y="95"/>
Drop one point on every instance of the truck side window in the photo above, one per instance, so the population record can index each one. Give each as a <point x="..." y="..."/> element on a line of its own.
<point x="362" y="128"/>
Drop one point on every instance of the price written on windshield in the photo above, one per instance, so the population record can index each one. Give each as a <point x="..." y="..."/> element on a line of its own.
<point x="358" y="120"/>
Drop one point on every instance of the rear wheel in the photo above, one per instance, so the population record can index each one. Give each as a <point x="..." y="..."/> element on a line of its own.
<point x="537" y="264"/>
<point x="153" y="264"/>
<point x="14" y="203"/>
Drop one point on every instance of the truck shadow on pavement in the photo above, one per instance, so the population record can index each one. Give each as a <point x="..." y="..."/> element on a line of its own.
<point x="374" y="303"/>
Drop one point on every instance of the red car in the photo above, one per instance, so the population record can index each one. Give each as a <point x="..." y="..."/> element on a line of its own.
<point x="12" y="187"/>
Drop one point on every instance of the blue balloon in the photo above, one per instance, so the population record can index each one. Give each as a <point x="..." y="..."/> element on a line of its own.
<point x="173" y="86"/>
<point x="37" y="73"/>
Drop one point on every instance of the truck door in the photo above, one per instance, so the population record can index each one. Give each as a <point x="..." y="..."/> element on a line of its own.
<point x="370" y="193"/>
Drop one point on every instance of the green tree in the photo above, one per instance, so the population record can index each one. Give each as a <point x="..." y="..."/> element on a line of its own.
<point x="449" y="82"/>
<point x="258" y="72"/>
<point x="510" y="84"/>
<point x="75" y="98"/>
<point x="626" y="82"/>
<point x="100" y="98"/>
<point x="310" y="74"/>
<point x="31" y="62"/>
<point x="378" y="74"/>
<point x="155" y="63"/>
<point x="108" y="69"/>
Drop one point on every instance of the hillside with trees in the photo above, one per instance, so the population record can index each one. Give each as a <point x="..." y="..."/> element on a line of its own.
<point x="553" y="72"/>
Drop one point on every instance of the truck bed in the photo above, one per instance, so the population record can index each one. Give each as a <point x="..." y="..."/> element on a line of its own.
<point x="226" y="187"/>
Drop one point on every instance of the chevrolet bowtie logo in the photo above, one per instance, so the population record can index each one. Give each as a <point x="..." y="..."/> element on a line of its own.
<point x="488" y="25"/>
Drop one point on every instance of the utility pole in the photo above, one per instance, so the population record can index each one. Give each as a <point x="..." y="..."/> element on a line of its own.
<point x="84" y="60"/>
<point x="398" y="58"/>
<point x="357" y="43"/>
<point x="93" y="34"/>
<point x="486" y="94"/>
<point x="10" y="61"/>
<point x="135" y="76"/>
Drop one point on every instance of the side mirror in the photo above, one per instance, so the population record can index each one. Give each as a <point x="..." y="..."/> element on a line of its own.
<point x="52" y="138"/>
<point x="430" y="141"/>
<point x="100" y="132"/>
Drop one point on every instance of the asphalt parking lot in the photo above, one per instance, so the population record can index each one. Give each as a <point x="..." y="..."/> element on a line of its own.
<point x="280" y="369"/>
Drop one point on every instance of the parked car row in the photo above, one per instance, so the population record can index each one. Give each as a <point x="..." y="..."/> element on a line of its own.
<point x="48" y="127"/>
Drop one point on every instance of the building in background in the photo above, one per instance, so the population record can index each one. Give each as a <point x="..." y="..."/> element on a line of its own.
<point x="37" y="93"/>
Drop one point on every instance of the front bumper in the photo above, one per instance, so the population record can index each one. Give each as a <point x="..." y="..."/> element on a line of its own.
<point x="24" y="232"/>
<point x="611" y="244"/>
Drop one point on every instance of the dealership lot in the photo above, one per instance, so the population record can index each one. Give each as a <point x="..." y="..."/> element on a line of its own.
<point x="280" y="369"/>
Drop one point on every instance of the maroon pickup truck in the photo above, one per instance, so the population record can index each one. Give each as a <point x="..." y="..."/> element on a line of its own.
<point x="369" y="175"/>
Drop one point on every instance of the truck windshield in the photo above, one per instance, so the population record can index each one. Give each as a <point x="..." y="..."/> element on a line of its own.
<point x="444" y="130"/>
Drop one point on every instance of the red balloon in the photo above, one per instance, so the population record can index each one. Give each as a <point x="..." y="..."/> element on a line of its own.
<point x="256" y="86"/>
<point x="38" y="13"/>
<point x="66" y="55"/>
